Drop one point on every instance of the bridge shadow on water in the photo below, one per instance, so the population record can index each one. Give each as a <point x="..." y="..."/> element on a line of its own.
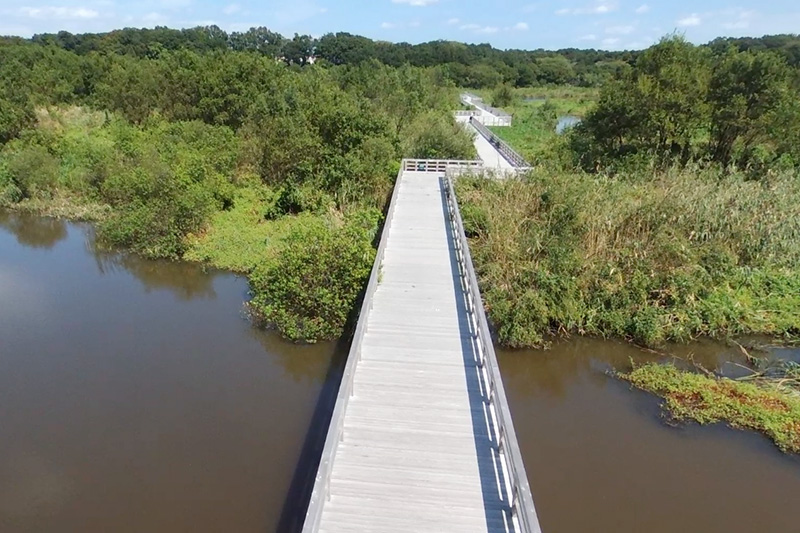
<point x="295" y="505"/>
<point x="492" y="475"/>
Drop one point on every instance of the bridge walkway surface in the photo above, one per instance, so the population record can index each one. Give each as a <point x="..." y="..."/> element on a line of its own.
<point x="421" y="438"/>
<point x="491" y="156"/>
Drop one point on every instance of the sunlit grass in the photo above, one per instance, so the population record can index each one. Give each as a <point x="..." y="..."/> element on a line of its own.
<point x="707" y="399"/>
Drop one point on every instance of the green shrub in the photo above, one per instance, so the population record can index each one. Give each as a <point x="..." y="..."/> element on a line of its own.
<point x="434" y="136"/>
<point x="655" y="258"/>
<point x="308" y="289"/>
<point x="34" y="170"/>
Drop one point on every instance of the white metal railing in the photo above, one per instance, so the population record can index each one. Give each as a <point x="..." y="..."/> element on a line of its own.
<point x="517" y="487"/>
<point x="437" y="165"/>
<point x="491" y="110"/>
<point x="462" y="113"/>
<point x="505" y="150"/>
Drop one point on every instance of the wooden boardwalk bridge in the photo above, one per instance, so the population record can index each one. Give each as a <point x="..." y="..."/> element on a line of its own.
<point x="421" y="438"/>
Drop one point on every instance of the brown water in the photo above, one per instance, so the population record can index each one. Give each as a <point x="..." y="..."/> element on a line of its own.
<point x="601" y="458"/>
<point x="134" y="396"/>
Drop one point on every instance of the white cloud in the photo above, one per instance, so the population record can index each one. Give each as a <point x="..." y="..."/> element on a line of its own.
<point x="154" y="18"/>
<point x="692" y="20"/>
<point x="230" y="9"/>
<point x="52" y="12"/>
<point x="611" y="41"/>
<point x="741" y="18"/>
<point x="620" y="30"/>
<point x="453" y="21"/>
<point x="589" y="37"/>
<point x="477" y="28"/>
<point x="530" y="8"/>
<point x="418" y="3"/>
<point x="388" y="25"/>
<point x="414" y="24"/>
<point x="520" y="26"/>
<point x="598" y="8"/>
<point x="644" y="8"/>
<point x="174" y="4"/>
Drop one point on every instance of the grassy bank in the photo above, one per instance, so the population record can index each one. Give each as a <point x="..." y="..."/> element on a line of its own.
<point x="666" y="257"/>
<point x="536" y="112"/>
<point x="188" y="190"/>
<point x="708" y="399"/>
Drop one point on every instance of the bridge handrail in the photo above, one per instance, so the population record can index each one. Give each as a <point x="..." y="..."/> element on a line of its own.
<point x="463" y="113"/>
<point x="437" y="165"/>
<point x="491" y="110"/>
<point x="520" y="496"/>
<point x="503" y="147"/>
<point x="321" y="490"/>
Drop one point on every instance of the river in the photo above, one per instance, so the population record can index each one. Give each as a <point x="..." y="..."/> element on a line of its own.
<point x="136" y="397"/>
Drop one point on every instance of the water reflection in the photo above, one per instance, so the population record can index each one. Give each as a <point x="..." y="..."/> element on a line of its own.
<point x="187" y="281"/>
<point x="303" y="362"/>
<point x="33" y="231"/>
<point x="134" y="392"/>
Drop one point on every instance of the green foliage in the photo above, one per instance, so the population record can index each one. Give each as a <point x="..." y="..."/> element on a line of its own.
<point x="679" y="103"/>
<point x="746" y="93"/>
<point x="433" y="136"/>
<point x="536" y="113"/>
<point x="664" y="258"/>
<point x="310" y="287"/>
<point x="709" y="400"/>
<point x="502" y="96"/>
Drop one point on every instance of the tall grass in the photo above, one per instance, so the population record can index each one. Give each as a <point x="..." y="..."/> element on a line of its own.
<point x="670" y="257"/>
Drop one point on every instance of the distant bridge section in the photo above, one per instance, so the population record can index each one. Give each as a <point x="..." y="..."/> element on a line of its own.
<point x="485" y="114"/>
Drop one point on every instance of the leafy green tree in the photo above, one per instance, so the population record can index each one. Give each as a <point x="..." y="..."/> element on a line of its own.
<point x="299" y="50"/>
<point x="746" y="93"/>
<point x="502" y="96"/>
<point x="555" y="69"/>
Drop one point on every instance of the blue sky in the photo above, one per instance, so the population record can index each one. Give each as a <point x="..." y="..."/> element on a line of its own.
<point x="607" y="24"/>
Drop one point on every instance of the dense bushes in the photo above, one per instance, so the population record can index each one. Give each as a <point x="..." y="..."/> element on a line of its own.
<point x="310" y="287"/>
<point x="223" y="156"/>
<point x="683" y="254"/>
<point x="162" y="180"/>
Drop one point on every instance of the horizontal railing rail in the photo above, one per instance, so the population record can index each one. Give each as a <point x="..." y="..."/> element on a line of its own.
<point x="491" y="110"/>
<point x="467" y="113"/>
<point x="505" y="150"/>
<point x="321" y="491"/>
<point x="517" y="487"/>
<point x="437" y="165"/>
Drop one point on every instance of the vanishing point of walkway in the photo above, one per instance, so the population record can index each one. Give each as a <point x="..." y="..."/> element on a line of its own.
<point x="421" y="438"/>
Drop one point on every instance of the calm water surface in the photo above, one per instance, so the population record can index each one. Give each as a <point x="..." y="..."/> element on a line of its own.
<point x="600" y="457"/>
<point x="135" y="398"/>
<point x="566" y="122"/>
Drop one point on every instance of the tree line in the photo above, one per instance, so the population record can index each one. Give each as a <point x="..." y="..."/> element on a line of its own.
<point x="726" y="105"/>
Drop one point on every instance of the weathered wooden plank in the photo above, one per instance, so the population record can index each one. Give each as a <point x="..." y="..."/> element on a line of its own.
<point x="417" y="451"/>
